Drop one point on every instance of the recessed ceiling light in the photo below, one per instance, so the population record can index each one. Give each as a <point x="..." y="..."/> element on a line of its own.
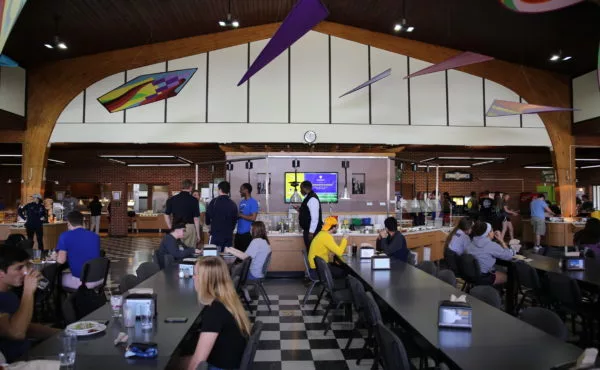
<point x="235" y="24"/>
<point x="410" y="29"/>
<point x="48" y="46"/>
<point x="222" y="23"/>
<point x="61" y="45"/>
<point x="398" y="27"/>
<point x="567" y="58"/>
<point x="554" y="58"/>
<point x="403" y="26"/>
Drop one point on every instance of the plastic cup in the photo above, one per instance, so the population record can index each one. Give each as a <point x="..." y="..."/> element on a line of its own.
<point x="68" y="348"/>
<point x="129" y="317"/>
<point x="146" y="317"/>
<point x="116" y="302"/>
<point x="37" y="255"/>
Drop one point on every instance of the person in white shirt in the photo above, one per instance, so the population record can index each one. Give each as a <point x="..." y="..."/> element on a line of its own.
<point x="310" y="215"/>
<point x="258" y="249"/>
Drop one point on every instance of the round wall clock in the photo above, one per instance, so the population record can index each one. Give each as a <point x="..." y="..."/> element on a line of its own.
<point x="310" y="137"/>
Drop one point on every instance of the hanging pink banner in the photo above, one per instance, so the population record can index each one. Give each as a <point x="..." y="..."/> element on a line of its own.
<point x="460" y="60"/>
<point x="501" y="108"/>
<point x="537" y="6"/>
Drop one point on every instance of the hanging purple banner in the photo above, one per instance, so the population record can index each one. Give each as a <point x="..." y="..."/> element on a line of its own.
<point x="380" y="76"/>
<point x="460" y="60"/>
<point x="304" y="16"/>
<point x="509" y="108"/>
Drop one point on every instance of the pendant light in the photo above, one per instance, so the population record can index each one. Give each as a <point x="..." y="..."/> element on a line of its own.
<point x="345" y="194"/>
<point x="249" y="166"/>
<point x="415" y="206"/>
<point x="295" y="198"/>
<point x="229" y="168"/>
<point x="401" y="200"/>
<point x="427" y="200"/>
<point x="212" y="179"/>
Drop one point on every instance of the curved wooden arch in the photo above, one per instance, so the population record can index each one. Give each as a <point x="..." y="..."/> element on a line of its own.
<point x="51" y="87"/>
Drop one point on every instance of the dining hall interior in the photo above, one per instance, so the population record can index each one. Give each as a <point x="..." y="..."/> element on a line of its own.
<point x="300" y="184"/>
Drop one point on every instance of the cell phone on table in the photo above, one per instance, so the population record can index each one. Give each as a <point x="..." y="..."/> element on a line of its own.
<point x="176" y="319"/>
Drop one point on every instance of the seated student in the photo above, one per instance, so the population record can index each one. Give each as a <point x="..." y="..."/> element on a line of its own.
<point x="589" y="237"/>
<point x="76" y="247"/>
<point x="171" y="244"/>
<point x="391" y="241"/>
<point x="485" y="250"/>
<point x="15" y="313"/>
<point x="459" y="240"/>
<point x="258" y="249"/>
<point x="225" y="327"/>
<point x="323" y="244"/>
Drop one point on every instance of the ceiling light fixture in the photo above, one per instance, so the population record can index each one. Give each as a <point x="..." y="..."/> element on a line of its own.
<point x="594" y="166"/>
<point x="229" y="22"/>
<point x="158" y="165"/>
<point x="482" y="163"/>
<point x="558" y="57"/>
<point x="538" y="167"/>
<point x="587" y="159"/>
<point x="402" y="26"/>
<point x="56" y="42"/>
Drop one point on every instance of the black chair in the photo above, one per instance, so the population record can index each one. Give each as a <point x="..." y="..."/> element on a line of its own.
<point x="545" y="320"/>
<point x="470" y="270"/>
<point x="239" y="274"/>
<point x="314" y="280"/>
<point x="447" y="276"/>
<point x="147" y="269"/>
<point x="251" y="346"/>
<point x="392" y="352"/>
<point x="411" y="259"/>
<point x="92" y="271"/>
<point x="127" y="282"/>
<point x="568" y="300"/>
<point x="451" y="258"/>
<point x="258" y="283"/>
<point x="27" y="246"/>
<point x="358" y="292"/>
<point x="589" y="253"/>
<point x="429" y="267"/>
<point x="168" y="260"/>
<point x="487" y="294"/>
<point x="530" y="286"/>
<point x="338" y="297"/>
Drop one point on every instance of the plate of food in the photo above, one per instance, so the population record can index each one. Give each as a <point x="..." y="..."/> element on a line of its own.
<point x="83" y="328"/>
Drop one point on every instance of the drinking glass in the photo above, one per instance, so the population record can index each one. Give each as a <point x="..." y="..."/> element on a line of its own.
<point x="146" y="316"/>
<point x="116" y="302"/>
<point x="68" y="349"/>
<point x="37" y="255"/>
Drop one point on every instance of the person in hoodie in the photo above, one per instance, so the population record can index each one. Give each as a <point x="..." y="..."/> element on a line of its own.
<point x="459" y="240"/>
<point x="486" y="250"/>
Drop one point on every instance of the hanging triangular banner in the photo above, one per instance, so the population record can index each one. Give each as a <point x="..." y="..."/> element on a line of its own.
<point x="463" y="59"/>
<point x="9" y="12"/>
<point x="537" y="6"/>
<point x="380" y="76"/>
<point x="510" y="108"/>
<point x="304" y="16"/>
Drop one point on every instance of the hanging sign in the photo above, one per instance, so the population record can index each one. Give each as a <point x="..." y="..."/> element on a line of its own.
<point x="458" y="176"/>
<point x="548" y="176"/>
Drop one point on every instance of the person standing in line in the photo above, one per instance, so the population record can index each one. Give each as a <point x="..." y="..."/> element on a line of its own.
<point x="310" y="214"/>
<point x="505" y="214"/>
<point x="247" y="215"/>
<point x="183" y="207"/>
<point x="538" y="208"/>
<point x="486" y="208"/>
<point x="69" y="204"/>
<point x="95" y="208"/>
<point x="48" y="204"/>
<point x="35" y="215"/>
<point x="473" y="206"/>
<point x="202" y="209"/>
<point x="221" y="215"/>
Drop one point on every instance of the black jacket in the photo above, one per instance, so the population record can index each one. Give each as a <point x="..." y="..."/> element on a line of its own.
<point x="34" y="213"/>
<point x="304" y="216"/>
<point x="221" y="215"/>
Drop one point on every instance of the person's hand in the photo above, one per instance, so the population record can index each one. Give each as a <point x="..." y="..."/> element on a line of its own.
<point x="227" y="250"/>
<point x="197" y="251"/>
<point x="382" y="234"/>
<point x="30" y="282"/>
<point x="498" y="234"/>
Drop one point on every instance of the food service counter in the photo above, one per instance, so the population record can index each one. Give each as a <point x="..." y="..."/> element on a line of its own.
<point x="558" y="234"/>
<point x="287" y="247"/>
<point x="51" y="233"/>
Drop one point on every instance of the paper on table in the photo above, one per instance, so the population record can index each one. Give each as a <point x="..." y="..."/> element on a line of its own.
<point x="141" y="291"/>
<point x="190" y="259"/>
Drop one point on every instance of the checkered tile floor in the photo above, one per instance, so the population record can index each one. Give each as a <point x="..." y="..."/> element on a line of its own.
<point x="292" y="337"/>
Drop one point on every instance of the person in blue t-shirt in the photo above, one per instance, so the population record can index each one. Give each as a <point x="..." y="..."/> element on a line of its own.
<point x="538" y="208"/>
<point x="77" y="246"/>
<point x="247" y="215"/>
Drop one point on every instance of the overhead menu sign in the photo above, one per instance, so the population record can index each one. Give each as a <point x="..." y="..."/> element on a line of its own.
<point x="548" y="176"/>
<point x="458" y="176"/>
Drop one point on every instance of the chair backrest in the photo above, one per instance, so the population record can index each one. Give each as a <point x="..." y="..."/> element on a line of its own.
<point x="251" y="346"/>
<point x="358" y="293"/>
<point x="307" y="266"/>
<point x="564" y="289"/>
<point x="469" y="267"/>
<point x="392" y="351"/>
<point x="324" y="274"/>
<point x="447" y="276"/>
<point x="589" y="253"/>
<point x="96" y="270"/>
<point x="527" y="276"/>
<point x="14" y="240"/>
<point x="245" y="269"/>
<point x="168" y="260"/>
<point x="488" y="294"/>
<point x="411" y="259"/>
<point x="266" y="265"/>
<point x="429" y="267"/>
<point x="372" y="312"/>
<point x="451" y="258"/>
<point x="147" y="269"/>
<point x="127" y="282"/>
<point x="545" y="320"/>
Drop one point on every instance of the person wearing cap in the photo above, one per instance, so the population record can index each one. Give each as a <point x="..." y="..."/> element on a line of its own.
<point x="486" y="251"/>
<point x="35" y="216"/>
<point x="323" y="244"/>
<point x="171" y="244"/>
<point x="309" y="213"/>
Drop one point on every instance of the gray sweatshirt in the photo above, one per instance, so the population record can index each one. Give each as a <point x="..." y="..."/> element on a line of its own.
<point x="486" y="251"/>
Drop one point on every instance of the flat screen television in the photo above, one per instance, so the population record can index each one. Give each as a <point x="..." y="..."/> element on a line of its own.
<point x="325" y="184"/>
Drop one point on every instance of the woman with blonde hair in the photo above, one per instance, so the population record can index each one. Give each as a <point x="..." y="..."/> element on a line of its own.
<point x="225" y="326"/>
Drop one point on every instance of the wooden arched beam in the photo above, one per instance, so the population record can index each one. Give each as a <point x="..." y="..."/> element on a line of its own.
<point x="51" y="87"/>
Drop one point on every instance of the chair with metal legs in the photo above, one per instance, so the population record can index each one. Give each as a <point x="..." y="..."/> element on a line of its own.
<point x="338" y="297"/>
<point x="314" y="280"/>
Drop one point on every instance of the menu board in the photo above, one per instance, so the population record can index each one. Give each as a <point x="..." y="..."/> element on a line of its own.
<point x="325" y="184"/>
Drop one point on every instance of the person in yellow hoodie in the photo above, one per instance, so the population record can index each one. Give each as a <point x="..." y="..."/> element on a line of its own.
<point x="323" y="244"/>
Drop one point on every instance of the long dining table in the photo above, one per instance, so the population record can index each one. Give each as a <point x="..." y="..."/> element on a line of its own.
<point x="175" y="296"/>
<point x="497" y="340"/>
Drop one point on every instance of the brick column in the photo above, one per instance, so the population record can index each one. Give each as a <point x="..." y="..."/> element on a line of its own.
<point x="118" y="212"/>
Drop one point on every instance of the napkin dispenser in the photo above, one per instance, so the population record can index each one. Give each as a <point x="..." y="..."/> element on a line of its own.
<point x="573" y="264"/>
<point x="456" y="315"/>
<point x="366" y="252"/>
<point x="136" y="301"/>
<point x="380" y="262"/>
<point x="210" y="251"/>
<point x="186" y="269"/>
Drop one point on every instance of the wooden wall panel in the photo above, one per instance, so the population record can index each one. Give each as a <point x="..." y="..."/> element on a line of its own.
<point x="190" y="104"/>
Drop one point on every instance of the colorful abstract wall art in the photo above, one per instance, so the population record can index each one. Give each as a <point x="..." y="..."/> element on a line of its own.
<point x="463" y="59"/>
<point x="146" y="89"/>
<point x="537" y="6"/>
<point x="380" y="76"/>
<point x="501" y="108"/>
<point x="9" y="12"/>
<point x="304" y="16"/>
